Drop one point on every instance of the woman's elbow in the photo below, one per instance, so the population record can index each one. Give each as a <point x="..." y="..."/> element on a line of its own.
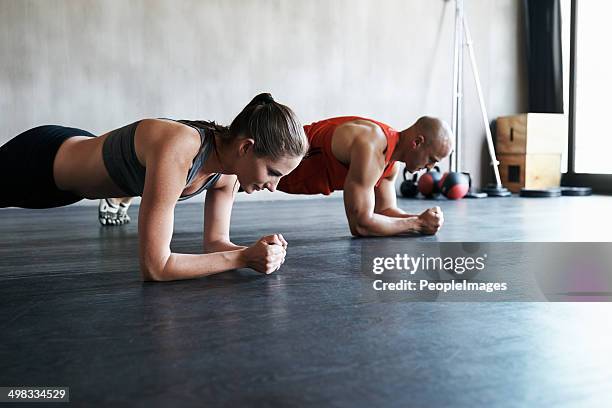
<point x="151" y="275"/>
<point x="152" y="271"/>
<point x="155" y="268"/>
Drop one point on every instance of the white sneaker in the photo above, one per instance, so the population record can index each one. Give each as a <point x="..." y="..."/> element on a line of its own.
<point x="112" y="214"/>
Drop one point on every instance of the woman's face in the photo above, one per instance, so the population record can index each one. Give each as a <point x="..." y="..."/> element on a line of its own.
<point x="258" y="173"/>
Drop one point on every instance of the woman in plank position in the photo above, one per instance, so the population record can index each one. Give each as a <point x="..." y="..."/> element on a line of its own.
<point x="163" y="161"/>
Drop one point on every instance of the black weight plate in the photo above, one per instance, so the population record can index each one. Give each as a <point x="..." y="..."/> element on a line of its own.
<point x="549" y="192"/>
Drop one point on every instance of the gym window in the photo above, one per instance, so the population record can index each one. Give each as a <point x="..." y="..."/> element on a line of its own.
<point x="590" y="61"/>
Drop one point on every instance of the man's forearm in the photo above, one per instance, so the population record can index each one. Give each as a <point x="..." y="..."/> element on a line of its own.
<point x="396" y="213"/>
<point x="382" y="225"/>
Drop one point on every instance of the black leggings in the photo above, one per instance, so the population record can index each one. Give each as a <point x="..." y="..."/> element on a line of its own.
<point x="26" y="168"/>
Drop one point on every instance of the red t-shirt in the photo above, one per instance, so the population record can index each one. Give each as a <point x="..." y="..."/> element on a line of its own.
<point x="320" y="172"/>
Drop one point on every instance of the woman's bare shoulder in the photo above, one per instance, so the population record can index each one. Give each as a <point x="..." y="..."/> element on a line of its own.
<point x="166" y="135"/>
<point x="227" y="182"/>
<point x="167" y="129"/>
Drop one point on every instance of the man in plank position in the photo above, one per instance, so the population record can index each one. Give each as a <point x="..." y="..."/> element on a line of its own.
<point x="360" y="156"/>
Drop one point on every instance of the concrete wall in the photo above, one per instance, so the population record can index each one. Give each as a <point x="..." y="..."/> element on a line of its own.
<point x="101" y="64"/>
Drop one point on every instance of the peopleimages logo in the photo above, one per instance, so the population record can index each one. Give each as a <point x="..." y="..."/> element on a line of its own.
<point x="412" y="264"/>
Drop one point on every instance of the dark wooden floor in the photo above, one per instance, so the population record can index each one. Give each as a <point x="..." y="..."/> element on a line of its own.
<point x="74" y="312"/>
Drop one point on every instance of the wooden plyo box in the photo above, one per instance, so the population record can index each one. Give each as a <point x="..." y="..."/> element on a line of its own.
<point x="533" y="171"/>
<point x="529" y="148"/>
<point x="529" y="133"/>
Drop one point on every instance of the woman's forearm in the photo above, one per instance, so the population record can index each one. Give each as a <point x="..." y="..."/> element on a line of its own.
<point x="219" y="246"/>
<point x="190" y="266"/>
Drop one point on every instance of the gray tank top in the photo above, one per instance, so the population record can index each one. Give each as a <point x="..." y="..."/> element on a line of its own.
<point x="121" y="162"/>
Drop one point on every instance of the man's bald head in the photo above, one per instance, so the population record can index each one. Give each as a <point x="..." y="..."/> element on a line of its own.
<point x="426" y="142"/>
<point x="435" y="131"/>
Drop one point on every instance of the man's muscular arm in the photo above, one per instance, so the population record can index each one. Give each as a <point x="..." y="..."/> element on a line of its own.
<point x="359" y="198"/>
<point x="386" y="200"/>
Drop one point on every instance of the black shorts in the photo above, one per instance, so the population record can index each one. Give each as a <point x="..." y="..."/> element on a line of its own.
<point x="26" y="168"/>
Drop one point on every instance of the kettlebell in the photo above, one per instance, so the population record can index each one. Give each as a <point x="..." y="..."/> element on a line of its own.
<point x="408" y="188"/>
<point x="428" y="183"/>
